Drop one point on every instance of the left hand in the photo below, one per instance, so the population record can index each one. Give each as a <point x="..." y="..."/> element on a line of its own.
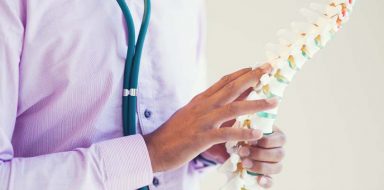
<point x="262" y="157"/>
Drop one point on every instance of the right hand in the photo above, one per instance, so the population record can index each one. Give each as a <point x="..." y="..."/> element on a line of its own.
<point x="197" y="126"/>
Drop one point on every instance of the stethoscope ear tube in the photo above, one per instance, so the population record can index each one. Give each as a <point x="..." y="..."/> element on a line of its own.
<point x="134" y="76"/>
<point x="128" y="64"/>
<point x="132" y="67"/>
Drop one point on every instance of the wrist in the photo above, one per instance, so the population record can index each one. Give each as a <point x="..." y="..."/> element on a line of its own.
<point x="153" y="153"/>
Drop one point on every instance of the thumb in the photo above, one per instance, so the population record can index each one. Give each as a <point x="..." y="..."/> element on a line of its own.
<point x="222" y="135"/>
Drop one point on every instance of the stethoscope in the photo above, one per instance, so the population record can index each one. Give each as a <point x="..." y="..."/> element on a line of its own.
<point x="132" y="67"/>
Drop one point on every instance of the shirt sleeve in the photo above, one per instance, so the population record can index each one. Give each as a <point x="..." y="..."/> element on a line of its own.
<point x="121" y="163"/>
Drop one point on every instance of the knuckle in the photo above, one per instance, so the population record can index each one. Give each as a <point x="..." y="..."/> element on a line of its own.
<point x="198" y="97"/>
<point x="267" y="142"/>
<point x="194" y="109"/>
<point x="279" y="154"/>
<point x="206" y="122"/>
<point x="231" y="109"/>
<point x="283" y="138"/>
<point x="230" y="86"/>
<point x="268" y="168"/>
<point x="225" y="135"/>
<point x="214" y="105"/>
<point x="273" y="169"/>
<point x="262" y="168"/>
<point x="226" y="78"/>
<point x="245" y="134"/>
<point x="260" y="104"/>
<point x="278" y="168"/>
<point x="256" y="154"/>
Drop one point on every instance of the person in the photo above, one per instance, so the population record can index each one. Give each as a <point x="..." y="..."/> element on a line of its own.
<point x="61" y="72"/>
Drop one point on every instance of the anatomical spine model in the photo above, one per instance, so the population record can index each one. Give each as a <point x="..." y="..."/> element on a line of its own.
<point x="296" y="46"/>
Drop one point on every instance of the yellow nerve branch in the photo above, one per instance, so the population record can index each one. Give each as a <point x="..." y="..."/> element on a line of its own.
<point x="295" y="47"/>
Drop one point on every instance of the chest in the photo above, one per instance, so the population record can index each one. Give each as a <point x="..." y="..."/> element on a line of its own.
<point x="73" y="44"/>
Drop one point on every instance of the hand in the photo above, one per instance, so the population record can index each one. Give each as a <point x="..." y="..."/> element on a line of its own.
<point x="196" y="127"/>
<point x="263" y="156"/>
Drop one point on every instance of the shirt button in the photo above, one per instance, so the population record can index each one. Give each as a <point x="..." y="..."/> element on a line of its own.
<point x="156" y="182"/>
<point x="147" y="114"/>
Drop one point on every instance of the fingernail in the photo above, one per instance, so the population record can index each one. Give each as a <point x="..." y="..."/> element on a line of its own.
<point x="247" y="163"/>
<point x="263" y="181"/>
<point x="244" y="151"/>
<point x="257" y="133"/>
<point x="272" y="100"/>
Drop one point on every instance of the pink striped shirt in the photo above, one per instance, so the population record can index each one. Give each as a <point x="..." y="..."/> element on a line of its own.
<point x="61" y="70"/>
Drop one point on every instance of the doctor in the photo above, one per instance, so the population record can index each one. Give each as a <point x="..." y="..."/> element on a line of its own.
<point x="61" y="73"/>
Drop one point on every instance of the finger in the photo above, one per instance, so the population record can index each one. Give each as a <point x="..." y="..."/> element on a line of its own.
<point x="240" y="98"/>
<point x="264" y="168"/>
<point x="238" y="108"/>
<point x="226" y="134"/>
<point x="274" y="140"/>
<point x="265" y="181"/>
<point x="264" y="155"/>
<point x="235" y="88"/>
<point x="225" y="80"/>
<point x="217" y="153"/>
<point x="275" y="129"/>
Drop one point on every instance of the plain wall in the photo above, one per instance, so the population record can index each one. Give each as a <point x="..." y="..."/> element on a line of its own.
<point x="332" y="112"/>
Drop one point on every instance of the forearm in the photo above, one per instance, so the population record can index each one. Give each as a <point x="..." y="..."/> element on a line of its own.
<point x="113" y="164"/>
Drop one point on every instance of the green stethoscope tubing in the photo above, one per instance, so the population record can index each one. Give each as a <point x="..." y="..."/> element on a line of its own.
<point x="132" y="66"/>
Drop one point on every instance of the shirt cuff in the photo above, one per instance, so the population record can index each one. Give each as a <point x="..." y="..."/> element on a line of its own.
<point x="126" y="162"/>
